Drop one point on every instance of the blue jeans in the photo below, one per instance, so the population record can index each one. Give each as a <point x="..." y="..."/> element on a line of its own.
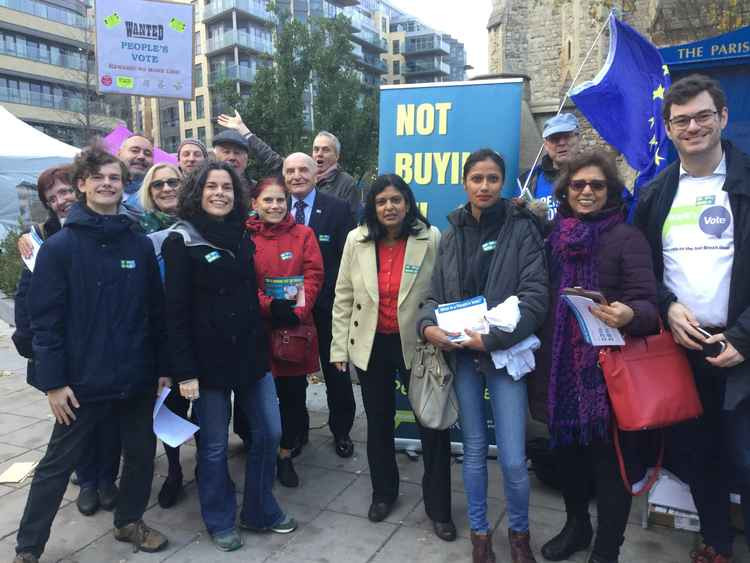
<point x="508" y="401"/>
<point x="215" y="487"/>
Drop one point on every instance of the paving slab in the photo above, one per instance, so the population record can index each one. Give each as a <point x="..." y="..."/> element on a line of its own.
<point x="356" y="499"/>
<point x="321" y="540"/>
<point x="36" y="435"/>
<point x="414" y="544"/>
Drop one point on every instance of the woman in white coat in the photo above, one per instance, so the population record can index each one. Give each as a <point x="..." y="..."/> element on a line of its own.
<point x="383" y="280"/>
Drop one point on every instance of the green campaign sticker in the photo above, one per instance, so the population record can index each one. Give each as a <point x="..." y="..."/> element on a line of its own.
<point x="705" y="200"/>
<point x="411" y="269"/>
<point x="177" y="25"/>
<point x="112" y="20"/>
<point x="286" y="255"/>
<point x="324" y="238"/>
<point x="127" y="264"/>
<point x="125" y="82"/>
<point x="489" y="246"/>
<point x="212" y="256"/>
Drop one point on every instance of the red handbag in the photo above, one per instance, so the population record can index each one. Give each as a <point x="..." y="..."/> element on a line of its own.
<point x="650" y="384"/>
<point x="292" y="344"/>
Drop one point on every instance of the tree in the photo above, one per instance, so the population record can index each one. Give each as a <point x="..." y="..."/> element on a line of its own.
<point x="342" y="104"/>
<point x="311" y="61"/>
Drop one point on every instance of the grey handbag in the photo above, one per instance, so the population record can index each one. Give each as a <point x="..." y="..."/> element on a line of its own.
<point x="431" y="392"/>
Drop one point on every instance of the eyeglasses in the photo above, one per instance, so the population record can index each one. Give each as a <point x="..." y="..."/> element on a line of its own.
<point x="596" y="185"/>
<point x="171" y="182"/>
<point x="704" y="117"/>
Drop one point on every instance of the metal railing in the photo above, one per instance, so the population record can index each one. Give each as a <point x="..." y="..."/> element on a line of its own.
<point x="232" y="72"/>
<point x="426" y="67"/>
<point x="240" y="38"/>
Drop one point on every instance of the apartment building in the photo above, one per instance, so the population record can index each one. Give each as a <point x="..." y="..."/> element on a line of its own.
<point x="234" y="39"/>
<point x="47" y="76"/>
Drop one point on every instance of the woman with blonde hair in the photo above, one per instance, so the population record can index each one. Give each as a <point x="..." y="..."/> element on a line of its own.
<point x="158" y="197"/>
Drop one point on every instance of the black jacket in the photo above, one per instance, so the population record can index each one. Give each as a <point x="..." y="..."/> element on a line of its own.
<point x="97" y="309"/>
<point x="331" y="220"/>
<point x="213" y="315"/>
<point x="518" y="267"/>
<point x="653" y="208"/>
<point x="22" y="335"/>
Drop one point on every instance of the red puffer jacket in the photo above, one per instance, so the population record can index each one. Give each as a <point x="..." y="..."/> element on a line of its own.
<point x="288" y="249"/>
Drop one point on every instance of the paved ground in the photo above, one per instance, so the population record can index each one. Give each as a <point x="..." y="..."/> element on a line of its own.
<point x="331" y="504"/>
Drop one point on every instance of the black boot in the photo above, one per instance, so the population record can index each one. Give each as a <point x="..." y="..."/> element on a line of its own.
<point x="575" y="536"/>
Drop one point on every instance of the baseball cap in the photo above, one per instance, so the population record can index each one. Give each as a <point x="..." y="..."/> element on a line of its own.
<point x="562" y="123"/>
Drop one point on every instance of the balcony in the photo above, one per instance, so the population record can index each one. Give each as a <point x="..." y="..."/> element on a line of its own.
<point x="372" y="63"/>
<point x="46" y="11"/>
<point x="232" y="72"/>
<point x="427" y="45"/>
<point x="38" y="99"/>
<point x="48" y="56"/>
<point x="370" y="39"/>
<point x="254" y="9"/>
<point x="421" y="68"/>
<point x="344" y="3"/>
<point x="240" y="39"/>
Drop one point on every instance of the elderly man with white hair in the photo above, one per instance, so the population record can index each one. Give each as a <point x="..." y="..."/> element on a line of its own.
<point x="329" y="178"/>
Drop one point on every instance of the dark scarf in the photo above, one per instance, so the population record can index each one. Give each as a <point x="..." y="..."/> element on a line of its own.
<point x="578" y="405"/>
<point x="224" y="234"/>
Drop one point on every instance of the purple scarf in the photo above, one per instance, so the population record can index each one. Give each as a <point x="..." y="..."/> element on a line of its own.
<point x="578" y="405"/>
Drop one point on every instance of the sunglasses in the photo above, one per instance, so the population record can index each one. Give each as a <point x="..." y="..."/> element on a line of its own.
<point x="596" y="185"/>
<point x="171" y="182"/>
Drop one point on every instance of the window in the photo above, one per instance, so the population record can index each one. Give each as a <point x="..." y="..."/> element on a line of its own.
<point x="397" y="81"/>
<point x="396" y="67"/>
<point x="396" y="47"/>
<point x="202" y="134"/>
<point x="197" y="43"/>
<point x="200" y="111"/>
<point x="198" y="75"/>
<point x="384" y="25"/>
<point x="187" y="110"/>
<point x="188" y="133"/>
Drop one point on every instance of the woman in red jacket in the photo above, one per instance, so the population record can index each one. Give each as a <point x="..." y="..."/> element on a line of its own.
<point x="284" y="249"/>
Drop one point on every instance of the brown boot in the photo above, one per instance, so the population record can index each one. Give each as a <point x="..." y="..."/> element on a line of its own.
<point x="520" y="550"/>
<point x="482" y="548"/>
<point x="142" y="537"/>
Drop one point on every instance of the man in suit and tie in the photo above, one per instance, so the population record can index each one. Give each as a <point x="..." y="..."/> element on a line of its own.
<point x="331" y="219"/>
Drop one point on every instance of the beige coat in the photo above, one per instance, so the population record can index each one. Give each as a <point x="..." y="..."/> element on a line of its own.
<point x="355" y="310"/>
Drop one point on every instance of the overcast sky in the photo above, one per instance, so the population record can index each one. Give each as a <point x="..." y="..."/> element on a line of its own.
<point x="466" y="20"/>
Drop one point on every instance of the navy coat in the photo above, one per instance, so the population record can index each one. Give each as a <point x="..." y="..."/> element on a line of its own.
<point x="331" y="220"/>
<point x="97" y="309"/>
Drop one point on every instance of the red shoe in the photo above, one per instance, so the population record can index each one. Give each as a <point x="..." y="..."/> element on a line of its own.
<point x="707" y="554"/>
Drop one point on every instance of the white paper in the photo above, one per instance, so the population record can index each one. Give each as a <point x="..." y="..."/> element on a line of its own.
<point x="36" y="243"/>
<point x="168" y="427"/>
<point x="460" y="315"/>
<point x="519" y="359"/>
<point x="506" y="315"/>
<point x="594" y="331"/>
<point x="17" y="472"/>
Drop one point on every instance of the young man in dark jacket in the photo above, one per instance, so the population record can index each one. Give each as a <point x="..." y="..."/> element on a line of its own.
<point x="97" y="318"/>
<point x="696" y="216"/>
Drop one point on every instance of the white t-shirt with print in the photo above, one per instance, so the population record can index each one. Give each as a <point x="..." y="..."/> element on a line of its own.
<point x="698" y="246"/>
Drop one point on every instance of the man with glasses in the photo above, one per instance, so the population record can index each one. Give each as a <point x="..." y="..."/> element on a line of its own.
<point x="561" y="144"/>
<point x="696" y="216"/>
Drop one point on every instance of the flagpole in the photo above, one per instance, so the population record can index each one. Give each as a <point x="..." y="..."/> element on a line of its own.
<point x="525" y="190"/>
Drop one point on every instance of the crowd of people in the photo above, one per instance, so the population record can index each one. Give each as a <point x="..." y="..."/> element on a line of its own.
<point x="155" y="275"/>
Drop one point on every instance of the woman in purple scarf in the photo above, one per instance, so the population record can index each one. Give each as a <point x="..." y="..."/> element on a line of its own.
<point x="590" y="247"/>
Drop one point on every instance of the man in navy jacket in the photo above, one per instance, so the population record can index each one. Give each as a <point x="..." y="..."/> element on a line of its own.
<point x="97" y="318"/>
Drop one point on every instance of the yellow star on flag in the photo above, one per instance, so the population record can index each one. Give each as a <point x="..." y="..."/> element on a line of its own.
<point x="653" y="140"/>
<point x="651" y="121"/>
<point x="657" y="158"/>
<point x="658" y="93"/>
<point x="665" y="68"/>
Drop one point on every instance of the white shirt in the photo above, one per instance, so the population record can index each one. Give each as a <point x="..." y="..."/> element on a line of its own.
<point x="698" y="245"/>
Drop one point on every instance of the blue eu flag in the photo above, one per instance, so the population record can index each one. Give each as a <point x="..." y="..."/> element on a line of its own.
<point x="624" y="102"/>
